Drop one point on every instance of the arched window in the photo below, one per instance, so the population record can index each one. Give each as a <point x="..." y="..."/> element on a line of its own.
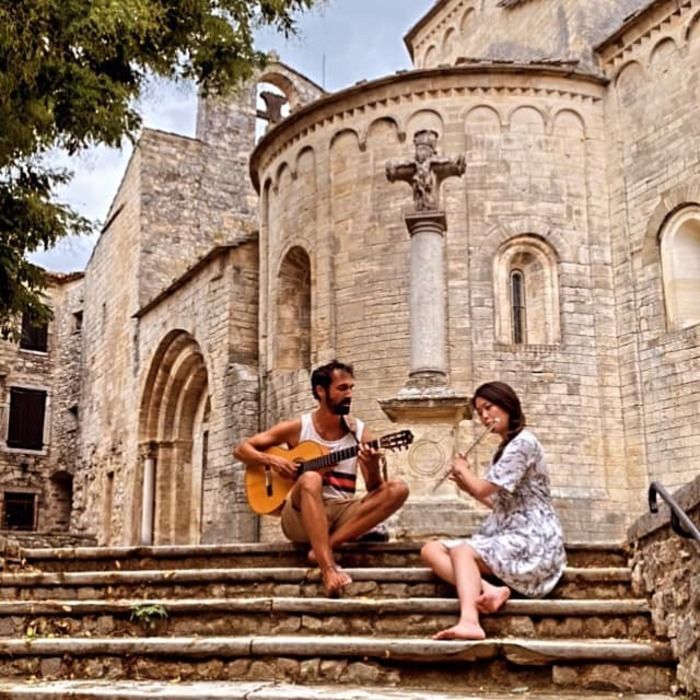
<point x="517" y="305"/>
<point x="526" y="293"/>
<point x="680" y="262"/>
<point x="293" y="328"/>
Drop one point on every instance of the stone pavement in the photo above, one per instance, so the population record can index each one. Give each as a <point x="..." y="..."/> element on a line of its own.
<point x="134" y="690"/>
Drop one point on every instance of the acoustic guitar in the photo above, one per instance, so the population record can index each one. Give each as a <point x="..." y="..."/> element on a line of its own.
<point x="266" y="489"/>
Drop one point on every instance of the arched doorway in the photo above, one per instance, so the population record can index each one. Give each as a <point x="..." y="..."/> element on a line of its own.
<point x="173" y="443"/>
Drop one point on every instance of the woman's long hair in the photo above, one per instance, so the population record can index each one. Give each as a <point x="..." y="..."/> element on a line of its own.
<point x="503" y="396"/>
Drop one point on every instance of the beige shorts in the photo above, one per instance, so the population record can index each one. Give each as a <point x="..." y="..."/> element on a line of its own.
<point x="337" y="512"/>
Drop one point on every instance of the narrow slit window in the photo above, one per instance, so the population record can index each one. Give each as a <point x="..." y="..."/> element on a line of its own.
<point x="517" y="295"/>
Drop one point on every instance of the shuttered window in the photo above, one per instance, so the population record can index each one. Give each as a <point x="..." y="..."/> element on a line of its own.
<point x="26" y="424"/>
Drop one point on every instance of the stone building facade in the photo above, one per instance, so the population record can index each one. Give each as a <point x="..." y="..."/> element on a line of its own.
<point x="571" y="269"/>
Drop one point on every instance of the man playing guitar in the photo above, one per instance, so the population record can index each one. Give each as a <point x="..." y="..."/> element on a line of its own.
<point x="321" y="508"/>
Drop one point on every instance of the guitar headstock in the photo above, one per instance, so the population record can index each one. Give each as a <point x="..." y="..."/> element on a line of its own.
<point x="396" y="441"/>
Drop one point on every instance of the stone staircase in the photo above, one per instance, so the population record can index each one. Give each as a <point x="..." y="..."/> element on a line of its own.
<point x="251" y="621"/>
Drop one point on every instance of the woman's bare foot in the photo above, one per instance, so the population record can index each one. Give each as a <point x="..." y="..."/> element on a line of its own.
<point x="492" y="599"/>
<point x="462" y="630"/>
<point x="334" y="580"/>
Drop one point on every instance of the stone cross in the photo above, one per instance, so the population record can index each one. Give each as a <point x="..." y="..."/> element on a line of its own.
<point x="426" y="171"/>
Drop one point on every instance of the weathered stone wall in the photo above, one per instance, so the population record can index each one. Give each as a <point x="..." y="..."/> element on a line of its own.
<point x="217" y="310"/>
<point x="580" y="171"/>
<point x="45" y="472"/>
<point x="535" y="166"/>
<point x="179" y="199"/>
<point x="666" y="569"/>
<point x="108" y="415"/>
<point x="65" y="404"/>
<point x="653" y="113"/>
<point x="539" y="30"/>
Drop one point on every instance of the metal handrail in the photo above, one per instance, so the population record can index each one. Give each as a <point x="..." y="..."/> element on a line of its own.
<point x="680" y="522"/>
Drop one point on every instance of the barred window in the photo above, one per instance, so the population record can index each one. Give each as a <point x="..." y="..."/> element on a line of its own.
<point x="19" y="511"/>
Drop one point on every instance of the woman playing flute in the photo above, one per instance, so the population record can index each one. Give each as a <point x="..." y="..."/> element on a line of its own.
<point x="521" y="540"/>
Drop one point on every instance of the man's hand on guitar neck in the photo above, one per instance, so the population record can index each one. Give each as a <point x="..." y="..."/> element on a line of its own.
<point x="370" y="460"/>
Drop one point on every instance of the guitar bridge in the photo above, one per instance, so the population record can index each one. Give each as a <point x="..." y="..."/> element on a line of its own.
<point x="268" y="482"/>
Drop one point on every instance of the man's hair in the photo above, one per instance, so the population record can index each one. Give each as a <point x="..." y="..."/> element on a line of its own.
<point x="323" y="375"/>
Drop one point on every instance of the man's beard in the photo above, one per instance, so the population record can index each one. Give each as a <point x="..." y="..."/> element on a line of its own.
<point x="340" y="409"/>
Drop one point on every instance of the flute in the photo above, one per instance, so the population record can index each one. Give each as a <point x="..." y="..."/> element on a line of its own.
<point x="479" y="438"/>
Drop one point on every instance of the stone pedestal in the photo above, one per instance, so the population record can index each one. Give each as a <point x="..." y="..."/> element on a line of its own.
<point x="436" y="419"/>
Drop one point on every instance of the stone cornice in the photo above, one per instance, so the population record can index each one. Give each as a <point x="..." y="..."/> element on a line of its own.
<point x="430" y="14"/>
<point x="394" y="90"/>
<point x="59" y="278"/>
<point x="191" y="272"/>
<point x="639" y="26"/>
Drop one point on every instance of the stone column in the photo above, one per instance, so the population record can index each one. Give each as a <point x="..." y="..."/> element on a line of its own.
<point x="427" y="301"/>
<point x="426" y="404"/>
<point x="147" y="503"/>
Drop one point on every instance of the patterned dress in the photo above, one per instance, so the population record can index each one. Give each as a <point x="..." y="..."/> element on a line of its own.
<point x="521" y="540"/>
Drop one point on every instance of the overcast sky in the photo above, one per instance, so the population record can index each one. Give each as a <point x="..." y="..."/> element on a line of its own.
<point x="339" y="43"/>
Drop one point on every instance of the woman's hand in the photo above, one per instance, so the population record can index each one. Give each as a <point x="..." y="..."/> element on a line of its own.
<point x="461" y="472"/>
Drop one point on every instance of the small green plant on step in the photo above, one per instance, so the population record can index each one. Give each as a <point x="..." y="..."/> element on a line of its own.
<point x="148" y="614"/>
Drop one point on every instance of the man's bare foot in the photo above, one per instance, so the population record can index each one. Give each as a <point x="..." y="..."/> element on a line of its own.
<point x="462" y="630"/>
<point x="492" y="599"/>
<point x="334" y="580"/>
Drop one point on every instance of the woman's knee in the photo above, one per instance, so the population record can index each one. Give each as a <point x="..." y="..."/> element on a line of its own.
<point x="430" y="550"/>
<point x="464" y="550"/>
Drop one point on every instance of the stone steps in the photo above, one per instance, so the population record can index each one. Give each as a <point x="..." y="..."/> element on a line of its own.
<point x="411" y="663"/>
<point x="380" y="582"/>
<point x="139" y="690"/>
<point x="252" y="555"/>
<point x="256" y="613"/>
<point x="409" y="617"/>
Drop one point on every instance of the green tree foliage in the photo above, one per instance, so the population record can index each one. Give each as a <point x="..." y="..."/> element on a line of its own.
<point x="70" y="72"/>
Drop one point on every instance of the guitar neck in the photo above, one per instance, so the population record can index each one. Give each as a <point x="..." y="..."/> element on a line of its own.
<point x="334" y="457"/>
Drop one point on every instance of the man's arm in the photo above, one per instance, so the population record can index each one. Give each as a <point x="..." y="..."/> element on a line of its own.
<point x="369" y="460"/>
<point x="252" y="450"/>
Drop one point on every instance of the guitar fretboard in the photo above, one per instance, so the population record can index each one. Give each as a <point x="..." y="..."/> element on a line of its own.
<point x="333" y="457"/>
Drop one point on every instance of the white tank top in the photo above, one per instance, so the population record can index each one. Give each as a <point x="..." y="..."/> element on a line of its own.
<point x="339" y="481"/>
